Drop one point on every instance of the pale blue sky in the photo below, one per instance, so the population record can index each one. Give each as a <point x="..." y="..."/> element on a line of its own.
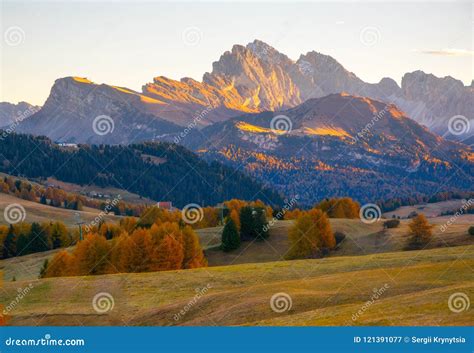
<point x="128" y="43"/>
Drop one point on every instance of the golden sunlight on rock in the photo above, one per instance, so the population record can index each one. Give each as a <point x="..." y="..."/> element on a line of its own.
<point x="82" y="80"/>
<point x="327" y="131"/>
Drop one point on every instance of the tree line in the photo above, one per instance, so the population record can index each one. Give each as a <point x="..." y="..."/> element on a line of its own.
<point x="252" y="225"/>
<point x="23" y="238"/>
<point x="56" y="197"/>
<point x="161" y="247"/>
<point x="149" y="169"/>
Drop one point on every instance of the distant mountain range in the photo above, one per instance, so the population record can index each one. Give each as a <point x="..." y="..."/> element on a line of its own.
<point x="307" y="127"/>
<point x="15" y="113"/>
<point x="247" y="79"/>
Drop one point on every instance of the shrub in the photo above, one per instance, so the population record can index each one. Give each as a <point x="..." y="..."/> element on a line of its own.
<point x="339" y="236"/>
<point x="471" y="230"/>
<point x="391" y="223"/>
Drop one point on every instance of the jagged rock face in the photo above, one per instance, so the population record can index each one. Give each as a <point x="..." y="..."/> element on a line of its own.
<point x="257" y="78"/>
<point x="338" y="145"/>
<point x="247" y="79"/>
<point x="318" y="75"/>
<point x="15" y="113"/>
<point x="80" y="111"/>
<point x="432" y="101"/>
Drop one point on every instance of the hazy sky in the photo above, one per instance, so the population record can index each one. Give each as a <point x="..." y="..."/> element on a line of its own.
<point x="129" y="43"/>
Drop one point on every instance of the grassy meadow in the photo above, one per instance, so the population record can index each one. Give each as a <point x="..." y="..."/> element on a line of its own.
<point x="325" y="291"/>
<point x="237" y="287"/>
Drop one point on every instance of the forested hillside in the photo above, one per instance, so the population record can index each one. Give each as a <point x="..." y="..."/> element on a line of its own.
<point x="160" y="171"/>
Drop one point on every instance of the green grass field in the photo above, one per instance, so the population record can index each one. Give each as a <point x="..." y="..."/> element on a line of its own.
<point x="322" y="291"/>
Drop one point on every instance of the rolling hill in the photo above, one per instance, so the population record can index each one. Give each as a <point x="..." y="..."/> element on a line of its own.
<point x="322" y="292"/>
<point x="361" y="239"/>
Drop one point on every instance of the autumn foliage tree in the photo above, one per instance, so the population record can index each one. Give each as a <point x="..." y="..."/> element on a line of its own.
<point x="61" y="265"/>
<point x="160" y="247"/>
<point x="310" y="236"/>
<point x="91" y="255"/>
<point x="340" y="207"/>
<point x="420" y="232"/>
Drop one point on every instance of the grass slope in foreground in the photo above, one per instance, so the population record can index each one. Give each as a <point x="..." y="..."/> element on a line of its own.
<point x="323" y="292"/>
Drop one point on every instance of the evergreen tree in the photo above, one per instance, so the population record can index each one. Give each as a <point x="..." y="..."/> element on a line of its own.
<point x="22" y="245"/>
<point x="9" y="245"/>
<point x="59" y="236"/>
<point x="230" y="236"/>
<point x="260" y="223"/>
<point x="247" y="224"/>
<point x="38" y="238"/>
